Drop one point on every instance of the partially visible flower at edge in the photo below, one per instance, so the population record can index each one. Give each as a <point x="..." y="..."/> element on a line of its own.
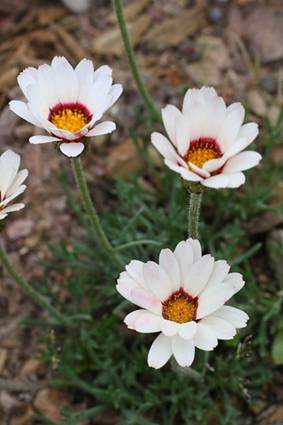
<point x="67" y="102"/>
<point x="207" y="139"/>
<point x="183" y="298"/>
<point x="11" y="180"/>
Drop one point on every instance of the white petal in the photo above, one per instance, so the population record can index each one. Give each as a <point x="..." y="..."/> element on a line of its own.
<point x="214" y="164"/>
<point x="242" y="161"/>
<point x="35" y="140"/>
<point x="221" y="328"/>
<point x="85" y="72"/>
<point x="105" y="127"/>
<point x="125" y="286"/>
<point x="169" y="328"/>
<point x="47" y="85"/>
<point x="9" y="165"/>
<point x="216" y="182"/>
<point x="99" y="94"/>
<point x="21" y="109"/>
<point x="14" y="207"/>
<point x="169" y="116"/>
<point x="196" y="248"/>
<point x="157" y="280"/>
<point x="213" y="298"/>
<point x="135" y="270"/>
<point x="66" y="80"/>
<point x="146" y="299"/>
<point x="143" y="321"/>
<point x="194" y="97"/>
<point x="183" y="351"/>
<point x="160" y="352"/>
<point x="184" y="255"/>
<point x="199" y="171"/>
<point x="103" y="70"/>
<point x="235" y="281"/>
<point x="164" y="147"/>
<point x="183" y="134"/>
<point x="16" y="193"/>
<point x="220" y="271"/>
<point x="235" y="179"/>
<point x="18" y="180"/>
<point x="236" y="317"/>
<point x="115" y="93"/>
<point x="26" y="78"/>
<point x="187" y="330"/>
<point x="232" y="124"/>
<point x="248" y="131"/>
<point x="131" y="318"/>
<point x="72" y="150"/>
<point x="204" y="339"/>
<point x="183" y="171"/>
<point x="169" y="263"/>
<point x="198" y="275"/>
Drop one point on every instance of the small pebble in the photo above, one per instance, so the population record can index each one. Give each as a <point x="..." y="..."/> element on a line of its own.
<point x="269" y="83"/>
<point x="215" y="14"/>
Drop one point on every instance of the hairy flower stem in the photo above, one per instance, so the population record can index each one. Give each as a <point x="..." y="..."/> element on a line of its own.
<point x="29" y="290"/>
<point x="194" y="211"/>
<point x="132" y="62"/>
<point x="91" y="211"/>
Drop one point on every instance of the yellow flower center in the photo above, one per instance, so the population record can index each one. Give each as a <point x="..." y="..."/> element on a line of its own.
<point x="70" y="117"/>
<point x="202" y="150"/>
<point x="180" y="307"/>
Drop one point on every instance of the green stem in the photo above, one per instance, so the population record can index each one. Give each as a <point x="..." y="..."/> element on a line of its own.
<point x="132" y="62"/>
<point x="91" y="211"/>
<point x="194" y="210"/>
<point x="137" y="243"/>
<point x="28" y="289"/>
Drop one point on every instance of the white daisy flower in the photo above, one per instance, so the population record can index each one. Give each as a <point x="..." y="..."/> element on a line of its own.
<point x="183" y="298"/>
<point x="11" y="180"/>
<point x="207" y="139"/>
<point x="67" y="102"/>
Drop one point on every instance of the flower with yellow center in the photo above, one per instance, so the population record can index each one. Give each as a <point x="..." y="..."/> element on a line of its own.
<point x="70" y="118"/>
<point x="11" y="182"/>
<point x="67" y="102"/>
<point x="183" y="299"/>
<point x="180" y="307"/>
<point x="207" y="139"/>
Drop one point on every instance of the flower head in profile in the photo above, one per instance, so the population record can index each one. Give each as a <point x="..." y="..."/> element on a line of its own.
<point x="207" y="140"/>
<point x="67" y="102"/>
<point x="11" y="182"/>
<point x="183" y="298"/>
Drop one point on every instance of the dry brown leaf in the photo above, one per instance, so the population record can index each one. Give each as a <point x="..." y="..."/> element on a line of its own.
<point x="49" y="402"/>
<point x="263" y="223"/>
<point x="31" y="366"/>
<point x="273" y="416"/>
<point x="257" y="103"/>
<point x="20" y="228"/>
<point x="264" y="29"/>
<point x="131" y="11"/>
<point x="3" y="358"/>
<point x="277" y="155"/>
<point x="214" y="50"/>
<point x="70" y="43"/>
<point x="123" y="160"/>
<point x="110" y="42"/>
<point x="204" y="72"/>
<point x="8" y="78"/>
<point x="25" y="419"/>
<point x="174" y="30"/>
